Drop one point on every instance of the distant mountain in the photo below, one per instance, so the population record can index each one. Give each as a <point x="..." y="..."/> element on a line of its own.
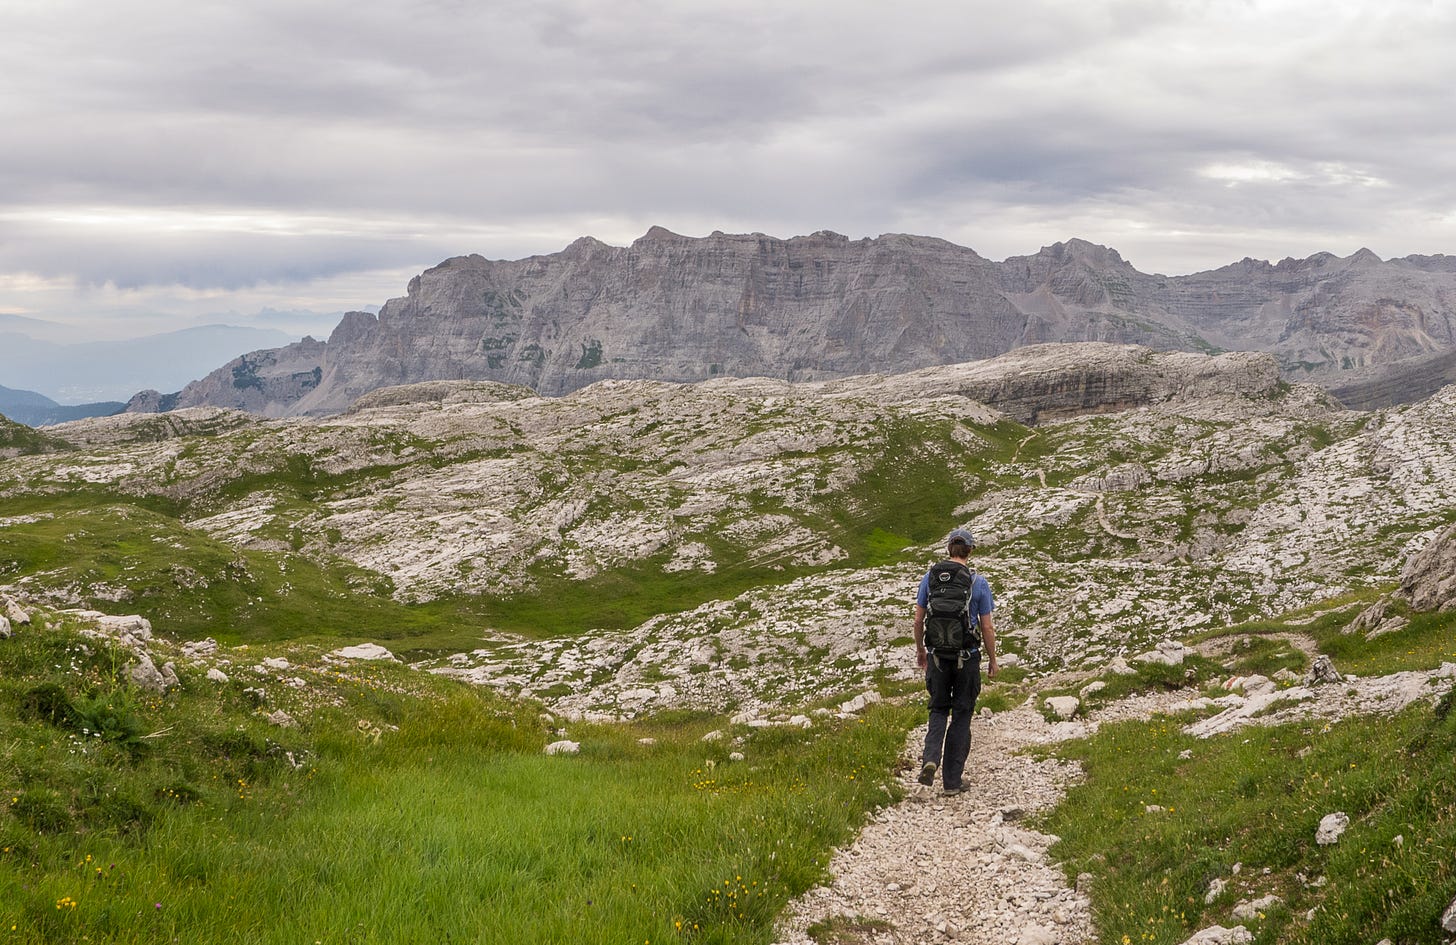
<point x="676" y="308"/>
<point x="31" y="358"/>
<point x="38" y="410"/>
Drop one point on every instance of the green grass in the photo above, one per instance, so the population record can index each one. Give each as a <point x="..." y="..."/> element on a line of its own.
<point x="17" y="439"/>
<point x="192" y="586"/>
<point x="1255" y="797"/>
<point x="423" y="810"/>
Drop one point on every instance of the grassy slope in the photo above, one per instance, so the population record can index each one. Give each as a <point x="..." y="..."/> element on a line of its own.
<point x="1255" y="797"/>
<point x="183" y="819"/>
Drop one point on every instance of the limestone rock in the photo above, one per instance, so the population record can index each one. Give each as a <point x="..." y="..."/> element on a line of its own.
<point x="4" y="628"/>
<point x="1251" y="909"/>
<point x="563" y="747"/>
<point x="1063" y="707"/>
<point x="1429" y="577"/>
<point x="1322" y="671"/>
<point x="1215" y="889"/>
<point x="1167" y="653"/>
<point x="16" y="614"/>
<point x="145" y="675"/>
<point x="131" y="629"/>
<point x="217" y="675"/>
<point x="196" y="649"/>
<point x="859" y="702"/>
<point x="1218" y="935"/>
<point x="1331" y="826"/>
<point x="282" y="719"/>
<point x="1448" y="920"/>
<point x="364" y="651"/>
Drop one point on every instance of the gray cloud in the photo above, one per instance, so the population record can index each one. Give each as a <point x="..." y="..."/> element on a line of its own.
<point x="228" y="147"/>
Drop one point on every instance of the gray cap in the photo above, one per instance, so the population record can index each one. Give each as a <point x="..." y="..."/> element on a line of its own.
<point x="961" y="534"/>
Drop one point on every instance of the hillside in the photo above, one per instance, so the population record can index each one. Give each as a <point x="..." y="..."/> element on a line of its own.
<point x="706" y="588"/>
<point x="682" y="309"/>
<point x="517" y="529"/>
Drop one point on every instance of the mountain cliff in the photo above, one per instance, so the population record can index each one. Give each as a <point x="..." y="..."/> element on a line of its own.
<point x="685" y="309"/>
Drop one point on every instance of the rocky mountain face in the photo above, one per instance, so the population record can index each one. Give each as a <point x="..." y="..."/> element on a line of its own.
<point x="683" y="309"/>
<point x="772" y="531"/>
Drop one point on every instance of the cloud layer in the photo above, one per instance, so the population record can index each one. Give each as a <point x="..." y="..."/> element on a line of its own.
<point x="169" y="156"/>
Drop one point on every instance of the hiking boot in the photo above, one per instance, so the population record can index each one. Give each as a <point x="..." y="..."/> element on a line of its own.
<point x="953" y="791"/>
<point x="927" y="773"/>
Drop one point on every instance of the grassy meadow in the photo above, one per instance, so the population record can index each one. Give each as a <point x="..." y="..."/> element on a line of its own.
<point x="1161" y="814"/>
<point x="401" y="808"/>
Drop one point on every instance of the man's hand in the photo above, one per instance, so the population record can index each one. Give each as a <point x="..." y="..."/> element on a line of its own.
<point x="991" y="669"/>
<point x="920" y="658"/>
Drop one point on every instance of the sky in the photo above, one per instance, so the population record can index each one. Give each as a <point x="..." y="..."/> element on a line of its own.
<point x="276" y="162"/>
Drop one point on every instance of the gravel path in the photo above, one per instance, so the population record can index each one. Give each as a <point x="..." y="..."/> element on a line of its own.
<point x="964" y="869"/>
<point x="958" y="869"/>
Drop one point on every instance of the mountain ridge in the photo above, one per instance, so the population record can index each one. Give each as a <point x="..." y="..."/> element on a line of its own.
<point x="680" y="308"/>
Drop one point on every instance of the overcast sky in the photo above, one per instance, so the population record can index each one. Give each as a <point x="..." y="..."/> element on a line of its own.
<point x="169" y="163"/>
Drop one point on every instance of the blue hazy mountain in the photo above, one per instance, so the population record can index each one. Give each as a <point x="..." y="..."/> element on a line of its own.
<point x="31" y="358"/>
<point x="38" y="410"/>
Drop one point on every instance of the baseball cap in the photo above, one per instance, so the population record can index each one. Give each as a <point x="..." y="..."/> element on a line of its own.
<point x="961" y="534"/>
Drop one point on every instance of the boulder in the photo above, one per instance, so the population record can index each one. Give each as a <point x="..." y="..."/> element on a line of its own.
<point x="1448" y="920"/>
<point x="1218" y="935"/>
<point x="1064" y="707"/>
<point x="1428" y="579"/>
<point x="563" y="747"/>
<point x="197" y="649"/>
<point x="217" y="675"/>
<point x="1331" y="826"/>
<point x="860" y="701"/>
<point x="282" y="719"/>
<point x="1167" y="653"/>
<point x="364" y="651"/>
<point x="145" y="675"/>
<point x="1253" y="909"/>
<point x="1321" y="671"/>
<point x="4" y="628"/>
<point x="131" y="629"/>
<point x="16" y="614"/>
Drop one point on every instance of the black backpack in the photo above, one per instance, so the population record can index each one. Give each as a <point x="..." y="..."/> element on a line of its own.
<point x="948" y="628"/>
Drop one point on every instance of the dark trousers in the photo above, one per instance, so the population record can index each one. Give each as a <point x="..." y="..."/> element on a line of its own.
<point x="953" y="695"/>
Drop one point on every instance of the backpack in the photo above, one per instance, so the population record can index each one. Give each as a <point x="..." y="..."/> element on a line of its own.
<point x="948" y="627"/>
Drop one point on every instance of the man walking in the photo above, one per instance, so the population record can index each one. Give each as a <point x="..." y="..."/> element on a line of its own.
<point x="952" y="624"/>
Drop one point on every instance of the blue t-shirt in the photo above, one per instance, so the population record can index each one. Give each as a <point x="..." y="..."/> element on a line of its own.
<point x="981" y="600"/>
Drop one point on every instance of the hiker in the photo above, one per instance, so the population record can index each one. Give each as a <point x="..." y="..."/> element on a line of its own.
<point x="952" y="624"/>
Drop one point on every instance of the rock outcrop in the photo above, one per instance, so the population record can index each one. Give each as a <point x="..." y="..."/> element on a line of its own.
<point x="1428" y="579"/>
<point x="676" y="308"/>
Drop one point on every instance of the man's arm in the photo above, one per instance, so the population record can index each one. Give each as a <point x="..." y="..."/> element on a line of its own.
<point x="988" y="641"/>
<point x="920" y="658"/>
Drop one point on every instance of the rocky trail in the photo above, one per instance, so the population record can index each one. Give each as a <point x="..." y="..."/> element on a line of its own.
<point x="967" y="869"/>
<point x="958" y="869"/>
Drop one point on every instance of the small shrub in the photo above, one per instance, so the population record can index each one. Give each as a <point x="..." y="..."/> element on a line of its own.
<point x="42" y="810"/>
<point x="47" y="702"/>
